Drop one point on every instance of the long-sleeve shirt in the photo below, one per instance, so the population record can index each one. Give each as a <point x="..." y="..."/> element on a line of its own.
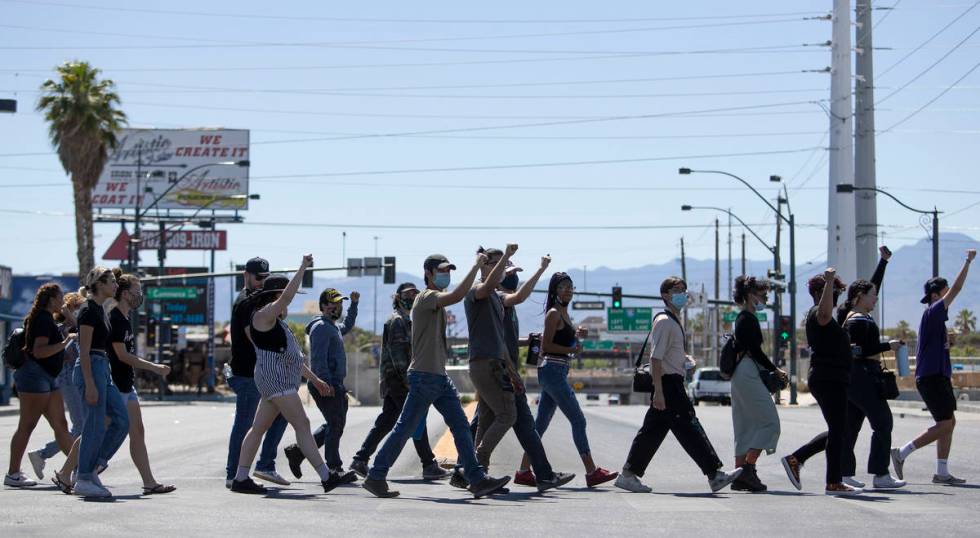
<point x="328" y="359"/>
<point x="748" y="335"/>
<point x="396" y="352"/>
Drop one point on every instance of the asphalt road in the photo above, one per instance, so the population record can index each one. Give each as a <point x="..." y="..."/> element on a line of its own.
<point x="188" y="445"/>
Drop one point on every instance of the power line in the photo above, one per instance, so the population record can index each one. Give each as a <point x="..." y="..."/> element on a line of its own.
<point x="927" y="69"/>
<point x="307" y="18"/>
<point x="933" y="100"/>
<point x="929" y="40"/>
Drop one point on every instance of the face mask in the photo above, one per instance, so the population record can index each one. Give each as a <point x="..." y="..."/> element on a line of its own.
<point x="136" y="300"/>
<point x="679" y="300"/>
<point x="510" y="282"/>
<point x="406" y="304"/>
<point x="760" y="305"/>
<point x="335" y="313"/>
<point x="442" y="280"/>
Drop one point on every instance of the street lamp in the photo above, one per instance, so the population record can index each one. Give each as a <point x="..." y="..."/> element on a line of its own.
<point x="770" y="248"/>
<point x="846" y="188"/>
<point x="791" y="221"/>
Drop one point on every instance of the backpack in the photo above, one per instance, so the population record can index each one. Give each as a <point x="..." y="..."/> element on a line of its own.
<point x="13" y="349"/>
<point x="729" y="357"/>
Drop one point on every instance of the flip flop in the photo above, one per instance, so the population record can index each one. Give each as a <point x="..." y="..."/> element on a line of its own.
<point x="159" y="489"/>
<point x="65" y="487"/>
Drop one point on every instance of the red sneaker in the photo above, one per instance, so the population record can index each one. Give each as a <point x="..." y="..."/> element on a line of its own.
<point x="525" y="478"/>
<point x="599" y="476"/>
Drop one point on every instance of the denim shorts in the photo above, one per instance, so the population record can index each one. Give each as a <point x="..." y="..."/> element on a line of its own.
<point x="32" y="379"/>
<point x="130" y="396"/>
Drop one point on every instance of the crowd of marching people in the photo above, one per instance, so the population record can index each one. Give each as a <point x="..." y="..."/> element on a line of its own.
<point x="76" y="352"/>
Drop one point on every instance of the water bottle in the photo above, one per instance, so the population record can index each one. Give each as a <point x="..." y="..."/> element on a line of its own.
<point x="902" y="360"/>
<point x="227" y="371"/>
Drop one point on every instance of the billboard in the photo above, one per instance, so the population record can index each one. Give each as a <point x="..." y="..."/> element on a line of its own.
<point x="23" y="288"/>
<point x="176" y="169"/>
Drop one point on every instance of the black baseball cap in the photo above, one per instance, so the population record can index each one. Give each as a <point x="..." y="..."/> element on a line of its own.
<point x="274" y="284"/>
<point x="258" y="267"/>
<point x="437" y="261"/>
<point x="935" y="284"/>
<point x="406" y="286"/>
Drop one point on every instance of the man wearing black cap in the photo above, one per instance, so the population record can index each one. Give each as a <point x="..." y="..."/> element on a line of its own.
<point x="242" y="382"/>
<point x="933" y="373"/>
<point x="396" y="354"/>
<point x="428" y="383"/>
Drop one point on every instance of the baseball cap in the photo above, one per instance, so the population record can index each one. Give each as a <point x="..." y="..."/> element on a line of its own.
<point x="511" y="268"/>
<point x="935" y="284"/>
<point x="274" y="284"/>
<point x="404" y="286"/>
<point x="437" y="261"/>
<point x="331" y="295"/>
<point x="258" y="267"/>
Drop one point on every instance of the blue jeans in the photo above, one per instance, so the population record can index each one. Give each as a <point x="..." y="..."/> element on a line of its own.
<point x="557" y="393"/>
<point x="75" y="406"/>
<point x="425" y="389"/>
<point x="246" y="403"/>
<point x="99" y="443"/>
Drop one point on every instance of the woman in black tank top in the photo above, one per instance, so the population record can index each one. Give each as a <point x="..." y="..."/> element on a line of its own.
<point x="559" y="343"/>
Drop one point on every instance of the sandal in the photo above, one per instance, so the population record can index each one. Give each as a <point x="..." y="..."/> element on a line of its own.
<point x="159" y="489"/>
<point x="63" y="485"/>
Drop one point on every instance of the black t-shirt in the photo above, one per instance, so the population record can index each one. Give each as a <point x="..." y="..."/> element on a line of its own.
<point x="242" y="352"/>
<point x="121" y="330"/>
<point x="830" y="347"/>
<point x="748" y="334"/>
<point x="93" y="315"/>
<point x="43" y="325"/>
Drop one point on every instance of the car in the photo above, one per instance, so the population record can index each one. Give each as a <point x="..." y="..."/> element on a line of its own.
<point x="708" y="385"/>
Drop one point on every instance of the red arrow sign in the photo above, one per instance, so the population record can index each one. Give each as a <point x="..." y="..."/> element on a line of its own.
<point x="119" y="249"/>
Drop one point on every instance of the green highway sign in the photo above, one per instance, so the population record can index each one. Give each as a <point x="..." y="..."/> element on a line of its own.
<point x="729" y="317"/>
<point x="629" y="319"/>
<point x="156" y="294"/>
<point x="598" y="345"/>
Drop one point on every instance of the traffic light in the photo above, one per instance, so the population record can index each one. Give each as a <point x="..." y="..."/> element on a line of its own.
<point x="617" y="297"/>
<point x="240" y="277"/>
<point x="389" y="270"/>
<point x="151" y="332"/>
<point x="785" y="330"/>
<point x="307" y="279"/>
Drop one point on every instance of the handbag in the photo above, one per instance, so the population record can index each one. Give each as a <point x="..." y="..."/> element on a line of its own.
<point x="773" y="382"/>
<point x="642" y="378"/>
<point x="887" y="384"/>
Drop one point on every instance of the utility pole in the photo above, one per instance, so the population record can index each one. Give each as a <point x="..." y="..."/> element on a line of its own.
<point x="684" y="274"/>
<point x="865" y="201"/>
<point x="743" y="253"/>
<point x="840" y="222"/>
<point x="211" y="300"/>
<point x="585" y="277"/>
<point x="777" y="298"/>
<point x="375" y="329"/>
<point x="730" y="281"/>
<point x="717" y="315"/>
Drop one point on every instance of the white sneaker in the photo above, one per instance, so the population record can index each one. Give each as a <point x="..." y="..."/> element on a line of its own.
<point x="88" y="488"/>
<point x="273" y="477"/>
<point x="228" y="484"/>
<point x="37" y="462"/>
<point x="723" y="479"/>
<point x="632" y="483"/>
<point x="898" y="463"/>
<point x="886" y="481"/>
<point x="850" y="481"/>
<point x="18" y="480"/>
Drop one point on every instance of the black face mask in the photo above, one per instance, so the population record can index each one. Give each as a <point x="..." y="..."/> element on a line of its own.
<point x="406" y="304"/>
<point x="510" y="282"/>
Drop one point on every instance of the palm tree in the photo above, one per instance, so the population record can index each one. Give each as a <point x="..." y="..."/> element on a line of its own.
<point x="83" y="120"/>
<point x="903" y="331"/>
<point x="966" y="322"/>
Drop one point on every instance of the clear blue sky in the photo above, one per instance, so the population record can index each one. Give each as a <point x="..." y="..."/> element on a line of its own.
<point x="329" y="70"/>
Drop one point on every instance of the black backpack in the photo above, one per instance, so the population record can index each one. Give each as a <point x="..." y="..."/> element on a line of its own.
<point x="729" y="357"/>
<point x="13" y="350"/>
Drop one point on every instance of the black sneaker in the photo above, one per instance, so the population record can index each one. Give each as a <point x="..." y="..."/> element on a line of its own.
<point x="330" y="483"/>
<point x="557" y="480"/>
<point x="359" y="467"/>
<point x="296" y="458"/>
<point x="487" y="486"/>
<point x="748" y="480"/>
<point x="457" y="480"/>
<point x="248" y="486"/>
<point x="379" y="488"/>
<point x="346" y="477"/>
